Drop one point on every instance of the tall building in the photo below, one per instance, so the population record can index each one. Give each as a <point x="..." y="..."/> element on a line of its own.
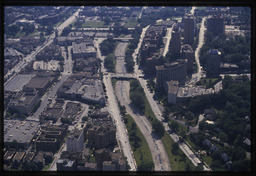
<point x="215" y="24"/>
<point x="175" y="42"/>
<point x="75" y="142"/>
<point x="189" y="29"/>
<point x="189" y="54"/>
<point x="171" y="71"/>
<point x="213" y="63"/>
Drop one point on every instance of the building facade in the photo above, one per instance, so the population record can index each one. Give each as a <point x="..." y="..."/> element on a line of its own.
<point x="171" y="71"/>
<point x="215" y="25"/>
<point x="171" y="88"/>
<point x="213" y="63"/>
<point x="189" y="29"/>
<point x="75" y="142"/>
<point x="189" y="54"/>
<point x="175" y="42"/>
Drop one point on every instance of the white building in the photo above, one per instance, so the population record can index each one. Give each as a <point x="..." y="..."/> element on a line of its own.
<point x="171" y="88"/>
<point x="75" y="142"/>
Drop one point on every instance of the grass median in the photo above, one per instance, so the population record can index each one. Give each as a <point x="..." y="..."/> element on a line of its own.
<point x="138" y="142"/>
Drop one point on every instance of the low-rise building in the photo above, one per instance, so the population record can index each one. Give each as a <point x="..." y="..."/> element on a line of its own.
<point x="9" y="156"/>
<point x="19" y="157"/>
<point x="83" y="50"/>
<point x="24" y="102"/>
<point x="66" y="165"/>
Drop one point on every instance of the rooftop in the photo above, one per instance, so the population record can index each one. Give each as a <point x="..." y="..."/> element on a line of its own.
<point x="21" y="131"/>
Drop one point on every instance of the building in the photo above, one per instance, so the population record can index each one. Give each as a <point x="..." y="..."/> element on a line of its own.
<point x="189" y="54"/>
<point x="83" y="50"/>
<point x="189" y="29"/>
<point x="213" y="63"/>
<point x="49" y="137"/>
<point x="75" y="142"/>
<point x="87" y="166"/>
<point x="25" y="102"/>
<point x="8" y="156"/>
<point x="39" y="160"/>
<point x="39" y="83"/>
<point x="150" y="64"/>
<point x="85" y="90"/>
<point x="215" y="25"/>
<point x="171" y="71"/>
<point x="66" y="165"/>
<point x="19" y="157"/>
<point x="100" y="136"/>
<point x="171" y="88"/>
<point x="175" y="44"/>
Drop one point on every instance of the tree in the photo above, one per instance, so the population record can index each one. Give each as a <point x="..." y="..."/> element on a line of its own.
<point x="138" y="100"/>
<point x="12" y="30"/>
<point x="174" y="125"/>
<point x="175" y="148"/>
<point x="146" y="166"/>
<point x="223" y="137"/>
<point x="216" y="164"/>
<point x="199" y="167"/>
<point x="66" y="31"/>
<point x="189" y="115"/>
<point x="30" y="166"/>
<point x="158" y="127"/>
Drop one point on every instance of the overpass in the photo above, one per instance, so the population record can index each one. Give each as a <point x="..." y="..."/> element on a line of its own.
<point x="122" y="76"/>
<point x="123" y="39"/>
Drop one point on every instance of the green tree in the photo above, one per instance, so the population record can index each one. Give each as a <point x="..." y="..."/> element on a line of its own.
<point x="175" y="148"/>
<point x="174" y="125"/>
<point x="138" y="100"/>
<point x="12" y="30"/>
<point x="30" y="166"/>
<point x="223" y="137"/>
<point x="146" y="166"/>
<point x="158" y="127"/>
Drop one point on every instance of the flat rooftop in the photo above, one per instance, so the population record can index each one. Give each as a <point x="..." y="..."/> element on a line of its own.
<point x="21" y="131"/>
<point x="38" y="82"/>
<point x="17" y="83"/>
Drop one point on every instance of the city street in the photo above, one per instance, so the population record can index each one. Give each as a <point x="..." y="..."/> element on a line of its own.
<point x="168" y="39"/>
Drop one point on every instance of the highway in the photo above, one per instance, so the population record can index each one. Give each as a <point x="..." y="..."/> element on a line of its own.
<point x="158" y="152"/>
<point x="160" y="158"/>
<point x="122" y="136"/>
<point x="183" y="146"/>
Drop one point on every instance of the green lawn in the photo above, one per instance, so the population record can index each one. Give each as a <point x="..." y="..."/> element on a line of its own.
<point x="46" y="168"/>
<point x="130" y="24"/>
<point x="178" y="162"/>
<point x="142" y="153"/>
<point x="94" y="24"/>
<point x="113" y="80"/>
<point x="208" y="82"/>
<point x="207" y="159"/>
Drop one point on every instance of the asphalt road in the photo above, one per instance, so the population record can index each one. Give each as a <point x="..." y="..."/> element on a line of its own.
<point x="122" y="136"/>
<point x="159" y="155"/>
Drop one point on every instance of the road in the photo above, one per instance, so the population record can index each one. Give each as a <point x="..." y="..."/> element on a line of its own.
<point x="197" y="76"/>
<point x="158" y="152"/>
<point x="122" y="136"/>
<point x="23" y="63"/>
<point x="183" y="146"/>
<point x="167" y="39"/>
<point x="192" y="10"/>
<point x="120" y="57"/>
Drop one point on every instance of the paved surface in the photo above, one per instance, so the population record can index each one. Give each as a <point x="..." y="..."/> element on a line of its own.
<point x="120" y="57"/>
<point x="122" y="136"/>
<point x="167" y="39"/>
<point x="159" y="155"/>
